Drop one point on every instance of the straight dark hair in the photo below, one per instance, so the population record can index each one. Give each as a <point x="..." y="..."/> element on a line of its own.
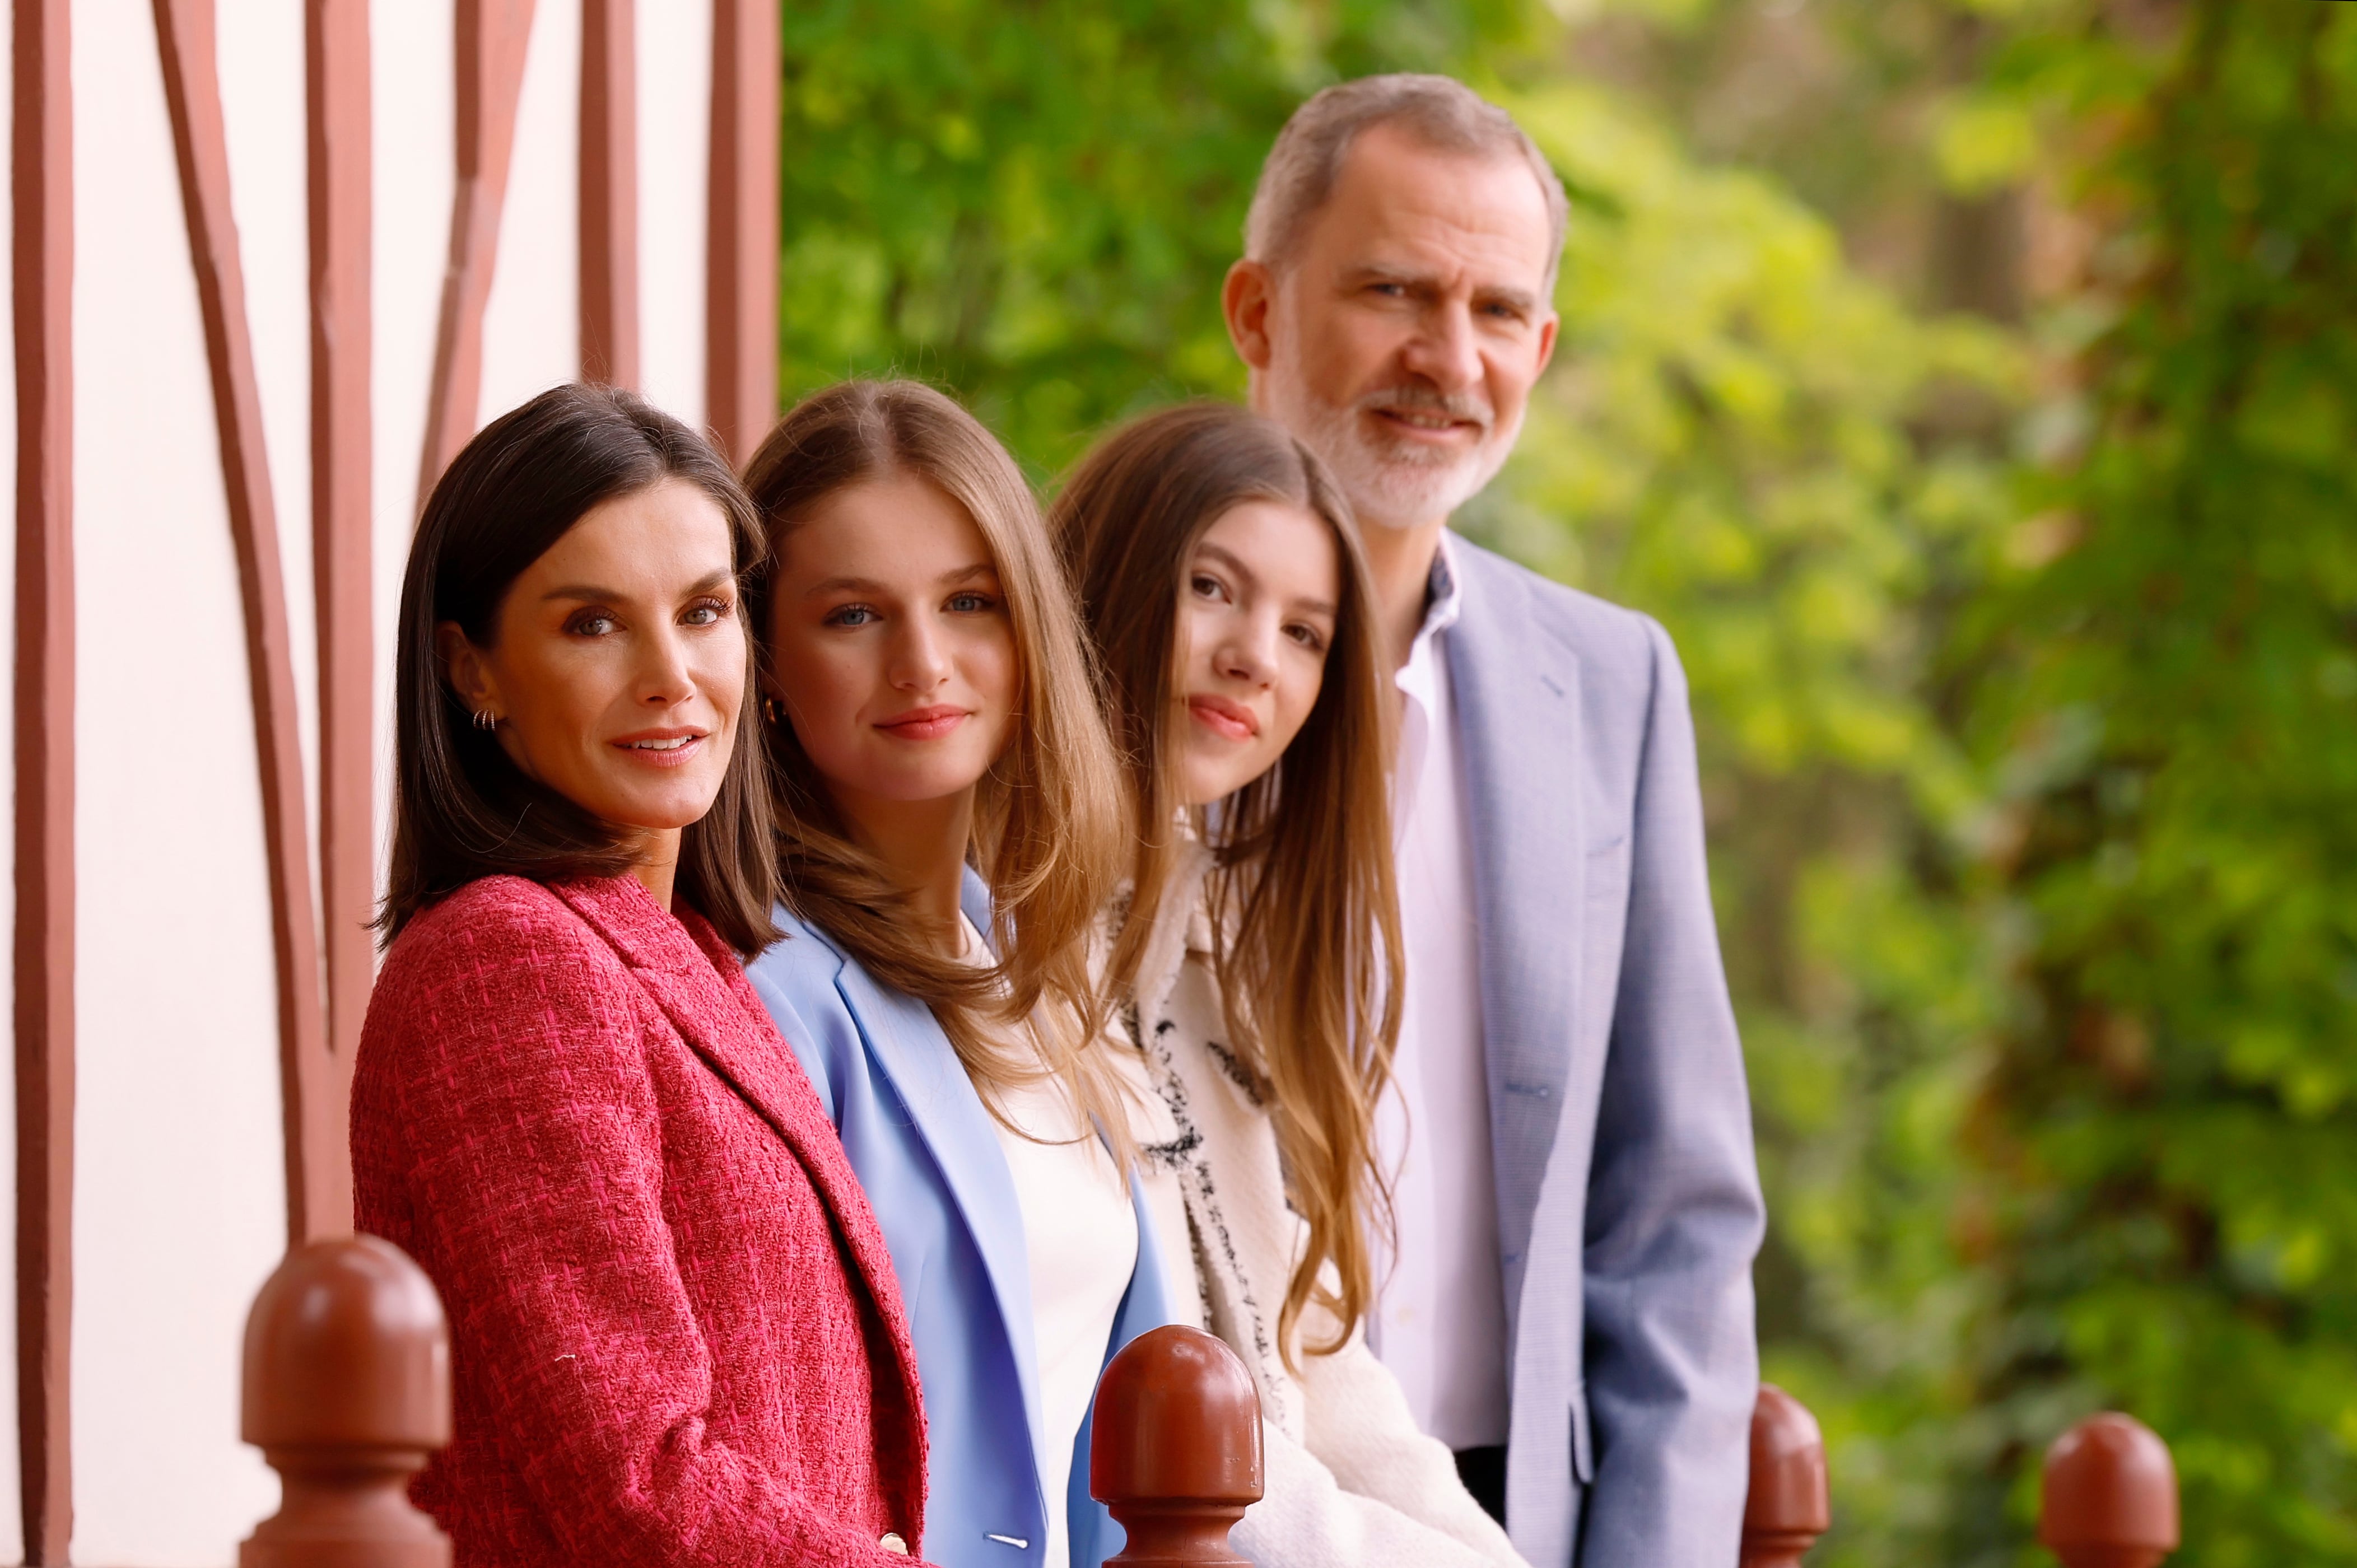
<point x="1303" y="905"/>
<point x="461" y="810"/>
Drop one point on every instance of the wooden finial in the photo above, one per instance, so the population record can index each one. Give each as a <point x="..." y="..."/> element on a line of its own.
<point x="1174" y="1453"/>
<point x="347" y="1395"/>
<point x="2110" y="1495"/>
<point x="1788" y="1506"/>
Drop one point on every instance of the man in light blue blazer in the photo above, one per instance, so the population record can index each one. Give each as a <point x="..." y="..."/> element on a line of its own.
<point x="1570" y="1301"/>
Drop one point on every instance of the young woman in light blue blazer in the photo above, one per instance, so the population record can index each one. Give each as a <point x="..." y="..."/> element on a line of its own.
<point x="936" y="739"/>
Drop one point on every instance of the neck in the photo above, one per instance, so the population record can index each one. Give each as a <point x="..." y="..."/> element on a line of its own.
<point x="1400" y="561"/>
<point x="658" y="866"/>
<point x="922" y="846"/>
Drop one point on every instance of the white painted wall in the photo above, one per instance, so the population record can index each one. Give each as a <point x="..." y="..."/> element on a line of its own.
<point x="181" y="1204"/>
<point x="180" y="1209"/>
<point x="674" y="154"/>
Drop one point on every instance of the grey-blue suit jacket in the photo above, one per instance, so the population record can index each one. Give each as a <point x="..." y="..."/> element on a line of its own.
<point x="1629" y="1206"/>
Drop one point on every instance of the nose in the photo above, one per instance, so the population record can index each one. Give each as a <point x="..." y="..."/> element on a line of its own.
<point x="1444" y="350"/>
<point x="1248" y="654"/>
<point x="918" y="661"/>
<point x="665" y="677"/>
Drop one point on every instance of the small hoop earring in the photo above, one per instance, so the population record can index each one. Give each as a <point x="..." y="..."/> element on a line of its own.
<point x="769" y="709"/>
<point x="486" y="720"/>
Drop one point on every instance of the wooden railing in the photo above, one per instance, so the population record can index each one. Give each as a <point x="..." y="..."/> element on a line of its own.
<point x="1174" y="1452"/>
<point x="348" y="1394"/>
<point x="1789" y="1504"/>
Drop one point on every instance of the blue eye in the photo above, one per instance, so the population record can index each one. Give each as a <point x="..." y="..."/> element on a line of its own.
<point x="850" y="616"/>
<point x="591" y="623"/>
<point x="969" y="603"/>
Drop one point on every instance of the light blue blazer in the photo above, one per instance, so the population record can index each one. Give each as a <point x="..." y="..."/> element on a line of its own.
<point x="928" y="1153"/>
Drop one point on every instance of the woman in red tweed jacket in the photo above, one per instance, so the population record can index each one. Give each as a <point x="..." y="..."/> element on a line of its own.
<point x="676" y="1338"/>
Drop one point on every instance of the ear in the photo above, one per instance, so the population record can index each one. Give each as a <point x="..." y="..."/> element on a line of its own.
<point x="469" y="672"/>
<point x="1547" y="331"/>
<point x="1245" y="300"/>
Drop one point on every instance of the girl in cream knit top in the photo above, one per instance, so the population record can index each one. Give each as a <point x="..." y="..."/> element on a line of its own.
<point x="1352" y="1482"/>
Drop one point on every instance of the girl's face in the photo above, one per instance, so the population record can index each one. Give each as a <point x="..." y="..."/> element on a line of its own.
<point x="1256" y="609"/>
<point x="617" y="664"/>
<point x="893" y="654"/>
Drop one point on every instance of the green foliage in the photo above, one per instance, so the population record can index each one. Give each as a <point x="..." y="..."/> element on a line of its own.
<point x="2172" y="704"/>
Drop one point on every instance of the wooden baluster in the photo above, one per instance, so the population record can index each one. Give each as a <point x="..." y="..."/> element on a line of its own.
<point x="346" y="1394"/>
<point x="1787" y="1508"/>
<point x="1175" y="1452"/>
<point x="2110" y="1495"/>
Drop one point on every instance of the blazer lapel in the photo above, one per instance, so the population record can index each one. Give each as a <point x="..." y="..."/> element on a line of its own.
<point x="1518" y="723"/>
<point x="699" y="985"/>
<point x="906" y="1043"/>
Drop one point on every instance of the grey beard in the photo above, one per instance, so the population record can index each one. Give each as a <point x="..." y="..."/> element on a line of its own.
<point x="1399" y="487"/>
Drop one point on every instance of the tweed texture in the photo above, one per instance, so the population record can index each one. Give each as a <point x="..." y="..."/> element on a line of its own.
<point x="675" y="1333"/>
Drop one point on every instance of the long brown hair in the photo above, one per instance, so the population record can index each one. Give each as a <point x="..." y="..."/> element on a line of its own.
<point x="1305" y="909"/>
<point x="461" y="810"/>
<point x="1049" y="818"/>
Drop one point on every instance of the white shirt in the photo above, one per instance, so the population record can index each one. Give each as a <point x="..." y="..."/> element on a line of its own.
<point x="1440" y="1316"/>
<point x="1081" y="1236"/>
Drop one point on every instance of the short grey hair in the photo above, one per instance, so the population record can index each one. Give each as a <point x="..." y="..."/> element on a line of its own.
<point x="1438" y="111"/>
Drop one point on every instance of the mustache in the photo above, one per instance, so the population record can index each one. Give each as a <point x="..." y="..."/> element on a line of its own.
<point x="1426" y="400"/>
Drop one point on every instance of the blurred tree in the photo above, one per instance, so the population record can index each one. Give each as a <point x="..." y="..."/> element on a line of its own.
<point x="2166" y="683"/>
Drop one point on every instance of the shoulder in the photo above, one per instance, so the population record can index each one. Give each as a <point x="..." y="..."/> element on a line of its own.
<point x="798" y="981"/>
<point x="500" y="972"/>
<point x="491" y="927"/>
<point x="1505" y="596"/>
<point x="803" y="961"/>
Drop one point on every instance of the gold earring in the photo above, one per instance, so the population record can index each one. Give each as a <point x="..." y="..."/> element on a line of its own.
<point x="769" y="709"/>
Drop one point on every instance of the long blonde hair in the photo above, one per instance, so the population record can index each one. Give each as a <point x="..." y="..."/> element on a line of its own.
<point x="1305" y="908"/>
<point x="1048" y="816"/>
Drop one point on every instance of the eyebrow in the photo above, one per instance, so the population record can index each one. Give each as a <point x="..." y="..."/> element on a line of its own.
<point x="1229" y="559"/>
<point x="590" y="594"/>
<point x="847" y="585"/>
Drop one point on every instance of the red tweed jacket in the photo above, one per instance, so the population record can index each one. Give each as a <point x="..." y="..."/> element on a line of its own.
<point x="675" y="1334"/>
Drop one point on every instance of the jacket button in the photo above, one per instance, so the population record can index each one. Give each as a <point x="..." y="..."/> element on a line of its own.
<point x="892" y="1543"/>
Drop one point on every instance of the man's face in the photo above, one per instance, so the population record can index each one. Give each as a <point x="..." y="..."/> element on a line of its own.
<point x="1402" y="339"/>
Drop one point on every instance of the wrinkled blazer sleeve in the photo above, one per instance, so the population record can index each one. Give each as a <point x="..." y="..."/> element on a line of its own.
<point x="533" y="1139"/>
<point x="1674" y="1213"/>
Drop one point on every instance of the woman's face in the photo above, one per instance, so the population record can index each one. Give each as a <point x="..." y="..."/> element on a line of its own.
<point x="618" y="666"/>
<point x="1256" y="611"/>
<point x="892" y="652"/>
